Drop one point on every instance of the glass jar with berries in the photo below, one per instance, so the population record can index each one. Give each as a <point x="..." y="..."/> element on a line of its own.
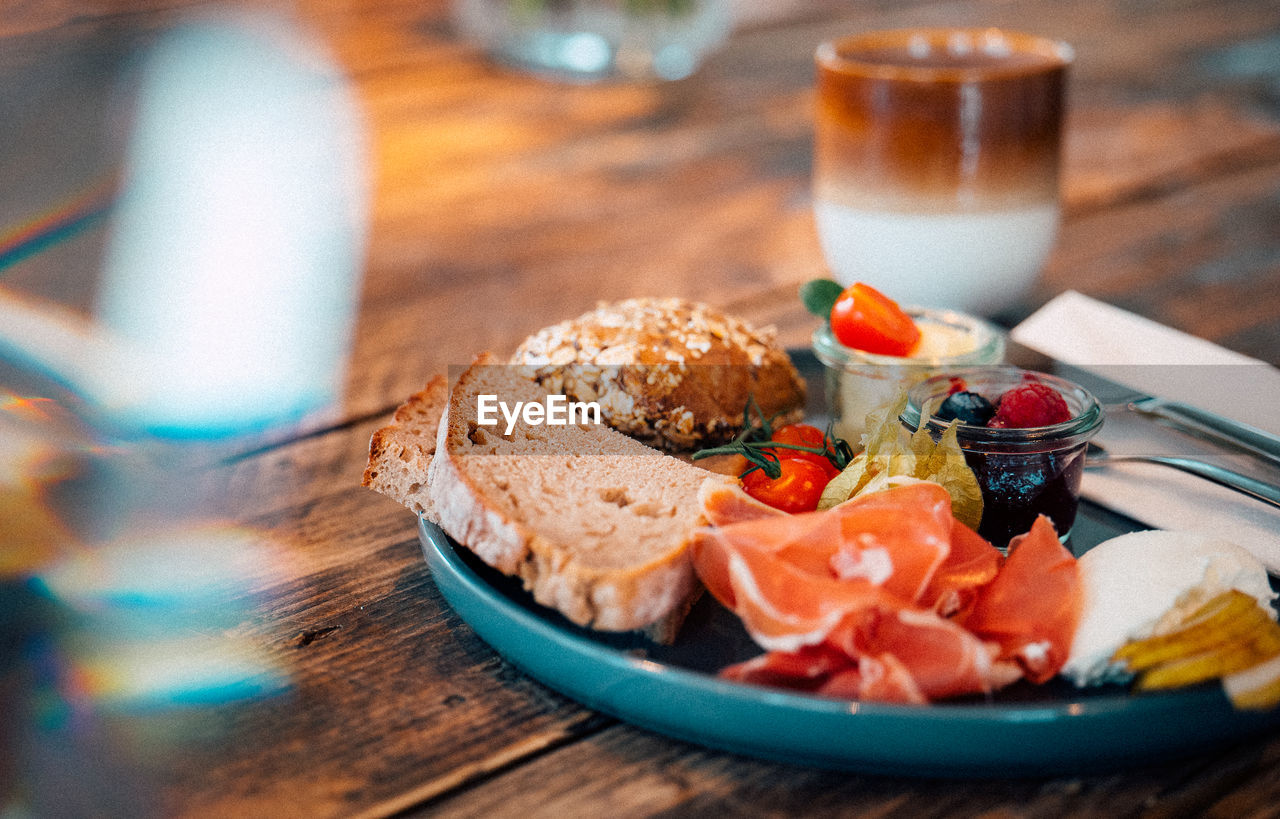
<point x="1024" y="434"/>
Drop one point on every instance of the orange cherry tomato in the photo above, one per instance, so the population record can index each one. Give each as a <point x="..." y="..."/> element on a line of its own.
<point x="798" y="489"/>
<point x="865" y="319"/>
<point x="803" y="435"/>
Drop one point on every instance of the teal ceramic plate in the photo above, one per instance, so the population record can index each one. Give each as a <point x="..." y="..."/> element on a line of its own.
<point x="1043" y="731"/>
<point x="1022" y="731"/>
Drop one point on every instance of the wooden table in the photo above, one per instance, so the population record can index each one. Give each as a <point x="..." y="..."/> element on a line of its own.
<point x="504" y="202"/>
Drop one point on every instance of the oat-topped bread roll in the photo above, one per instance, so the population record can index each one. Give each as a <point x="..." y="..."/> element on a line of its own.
<point x="674" y="373"/>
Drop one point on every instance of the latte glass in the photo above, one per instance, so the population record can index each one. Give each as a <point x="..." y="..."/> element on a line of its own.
<point x="936" y="162"/>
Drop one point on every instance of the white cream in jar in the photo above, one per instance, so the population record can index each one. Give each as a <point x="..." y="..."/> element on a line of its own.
<point x="858" y="382"/>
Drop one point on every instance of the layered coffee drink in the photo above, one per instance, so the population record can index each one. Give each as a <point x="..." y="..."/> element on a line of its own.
<point x="936" y="162"/>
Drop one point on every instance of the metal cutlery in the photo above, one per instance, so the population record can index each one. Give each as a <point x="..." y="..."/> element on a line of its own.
<point x="1210" y="426"/>
<point x="1097" y="456"/>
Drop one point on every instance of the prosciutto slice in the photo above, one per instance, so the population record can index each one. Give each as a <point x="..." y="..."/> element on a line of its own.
<point x="1032" y="607"/>
<point x="970" y="564"/>
<point x="775" y="574"/>
<point x="725" y="503"/>
<point x="888" y="598"/>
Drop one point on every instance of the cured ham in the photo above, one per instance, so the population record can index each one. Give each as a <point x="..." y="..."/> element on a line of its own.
<point x="888" y="598"/>
<point x="723" y="504"/>
<point x="882" y="678"/>
<point x="909" y="524"/>
<point x="971" y="563"/>
<point x="886" y="654"/>
<point x="824" y="669"/>
<point x="944" y="659"/>
<point x="1033" y="605"/>
<point x="807" y="668"/>
<point x="775" y="574"/>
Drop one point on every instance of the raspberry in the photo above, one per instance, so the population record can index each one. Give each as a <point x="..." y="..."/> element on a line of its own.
<point x="1030" y="405"/>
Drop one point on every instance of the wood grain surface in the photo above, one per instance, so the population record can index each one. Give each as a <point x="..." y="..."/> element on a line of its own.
<point x="503" y="202"/>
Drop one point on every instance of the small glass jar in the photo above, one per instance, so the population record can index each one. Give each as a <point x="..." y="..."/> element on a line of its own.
<point x="858" y="382"/>
<point x="1024" y="472"/>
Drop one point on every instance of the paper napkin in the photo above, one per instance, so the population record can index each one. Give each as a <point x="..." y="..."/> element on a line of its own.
<point x="1156" y="360"/>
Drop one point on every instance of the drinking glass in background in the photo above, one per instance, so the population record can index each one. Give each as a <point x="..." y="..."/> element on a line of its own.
<point x="936" y="162"/>
<point x="587" y="40"/>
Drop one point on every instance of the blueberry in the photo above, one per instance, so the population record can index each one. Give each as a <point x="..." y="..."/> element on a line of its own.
<point x="968" y="407"/>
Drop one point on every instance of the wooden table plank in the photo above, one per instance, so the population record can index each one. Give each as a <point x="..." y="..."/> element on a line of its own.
<point x="636" y="773"/>
<point x="391" y="697"/>
<point x="610" y="157"/>
<point x="1208" y="245"/>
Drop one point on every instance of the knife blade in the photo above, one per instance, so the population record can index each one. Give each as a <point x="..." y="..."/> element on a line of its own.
<point x="1210" y="425"/>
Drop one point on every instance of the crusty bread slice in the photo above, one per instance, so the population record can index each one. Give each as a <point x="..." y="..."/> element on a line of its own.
<point x="400" y="453"/>
<point x="596" y="524"/>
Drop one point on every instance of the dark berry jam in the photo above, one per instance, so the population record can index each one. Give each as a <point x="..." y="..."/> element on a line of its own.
<point x="1019" y="486"/>
<point x="1031" y="462"/>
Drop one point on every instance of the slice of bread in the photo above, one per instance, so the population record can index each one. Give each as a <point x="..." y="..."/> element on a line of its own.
<point x="595" y="524"/>
<point x="400" y="453"/>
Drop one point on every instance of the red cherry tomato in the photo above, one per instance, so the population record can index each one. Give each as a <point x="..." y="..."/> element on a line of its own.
<point x="798" y="489"/>
<point x="803" y="435"/>
<point x="865" y="319"/>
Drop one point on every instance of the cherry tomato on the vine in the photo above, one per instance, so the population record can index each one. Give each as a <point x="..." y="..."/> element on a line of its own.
<point x="865" y="319"/>
<point x="798" y="489"/>
<point x="803" y="435"/>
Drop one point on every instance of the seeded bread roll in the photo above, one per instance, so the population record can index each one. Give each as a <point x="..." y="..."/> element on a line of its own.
<point x="673" y="373"/>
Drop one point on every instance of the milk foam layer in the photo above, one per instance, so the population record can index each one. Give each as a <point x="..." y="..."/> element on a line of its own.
<point x="978" y="261"/>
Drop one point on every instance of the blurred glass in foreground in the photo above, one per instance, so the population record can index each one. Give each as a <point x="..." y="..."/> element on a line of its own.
<point x="232" y="270"/>
<point x="223" y="322"/>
